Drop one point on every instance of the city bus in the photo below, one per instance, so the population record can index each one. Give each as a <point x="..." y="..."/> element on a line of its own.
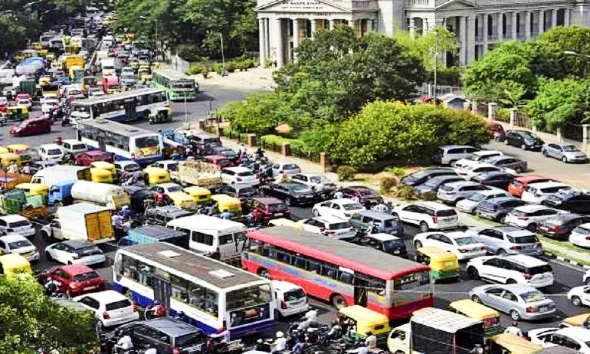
<point x="120" y="107"/>
<point x="178" y="86"/>
<point x="125" y="142"/>
<point x="212" y="294"/>
<point x="340" y="272"/>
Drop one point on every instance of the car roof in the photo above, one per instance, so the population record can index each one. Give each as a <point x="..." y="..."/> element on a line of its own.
<point x="377" y="214"/>
<point x="434" y="205"/>
<point x="500" y="158"/>
<point x="168" y="185"/>
<point x="526" y="260"/>
<point x="268" y="200"/>
<point x="238" y="169"/>
<point x="531" y="208"/>
<point x="74" y="141"/>
<point x="95" y="152"/>
<point x="461" y="184"/>
<point x="517" y="288"/>
<point x="171" y="327"/>
<point x="492" y="192"/>
<point x="329" y="219"/>
<point x="455" y="234"/>
<point x="514" y="231"/>
<point x="500" y="200"/>
<point x="529" y="178"/>
<point x="342" y="201"/>
<point x="548" y="184"/>
<point x="75" y="269"/>
<point x="12" y="237"/>
<point x="107" y="296"/>
<point x="51" y="146"/>
<point x="13" y="217"/>
<point x="359" y="188"/>
<point x="292" y="185"/>
<point x="579" y="333"/>
<point x="455" y="146"/>
<point x="282" y="285"/>
<point x="78" y="243"/>
<point x="382" y="237"/>
<point x="487" y="152"/>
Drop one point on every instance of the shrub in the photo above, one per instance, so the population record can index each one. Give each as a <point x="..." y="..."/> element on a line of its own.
<point x="217" y="67"/>
<point x="271" y="139"/>
<point x="345" y="173"/>
<point x="396" y="171"/>
<point x="503" y="115"/>
<point x="268" y="62"/>
<point x="429" y="196"/>
<point x="196" y="68"/>
<point x="230" y="67"/>
<point x="387" y="183"/>
<point x="205" y="72"/>
<point x="405" y="192"/>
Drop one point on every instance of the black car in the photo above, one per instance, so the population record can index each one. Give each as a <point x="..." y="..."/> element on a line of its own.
<point x="522" y="139"/>
<point x="419" y="177"/>
<point x="385" y="243"/>
<point x="291" y="193"/>
<point x="138" y="195"/>
<point x="166" y="335"/>
<point x="495" y="179"/>
<point x="569" y="200"/>
<point x="497" y="208"/>
<point x="561" y="226"/>
<point x="162" y="215"/>
<point x="242" y="193"/>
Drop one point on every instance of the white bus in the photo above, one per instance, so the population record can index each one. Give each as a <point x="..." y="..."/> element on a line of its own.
<point x="213" y="237"/>
<point x="121" y="107"/>
<point x="126" y="142"/>
<point x="213" y="295"/>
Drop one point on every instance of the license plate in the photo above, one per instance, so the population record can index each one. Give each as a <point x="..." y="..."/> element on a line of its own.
<point x="396" y="252"/>
<point x="543" y="308"/>
<point x="279" y="214"/>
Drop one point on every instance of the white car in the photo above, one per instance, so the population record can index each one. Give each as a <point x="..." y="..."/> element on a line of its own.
<point x="74" y="146"/>
<point x="17" y="224"/>
<point x="166" y="188"/>
<point x="581" y="236"/>
<point x="291" y="298"/>
<point x="24" y="102"/>
<point x="3" y="101"/>
<point x="537" y="192"/>
<point x="469" y="205"/>
<point x="477" y="157"/>
<point x="331" y="226"/>
<point x="48" y="104"/>
<point x="15" y="243"/>
<point x="471" y="171"/>
<point x="456" y="242"/>
<point x="428" y="215"/>
<point x="580" y="295"/>
<point x="342" y="208"/>
<point x="586" y="277"/>
<point x="129" y="168"/>
<point x="577" y="338"/>
<point x="169" y="165"/>
<point x="316" y="181"/>
<point x="530" y="216"/>
<point x="51" y="152"/>
<point x="75" y="252"/>
<point x="96" y="93"/>
<point x="512" y="269"/>
<point x="285" y="167"/>
<point x="239" y="175"/>
<point x="111" y="308"/>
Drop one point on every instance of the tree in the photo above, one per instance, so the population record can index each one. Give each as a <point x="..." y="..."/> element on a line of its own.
<point x="30" y="320"/>
<point x="561" y="40"/>
<point x="259" y="113"/>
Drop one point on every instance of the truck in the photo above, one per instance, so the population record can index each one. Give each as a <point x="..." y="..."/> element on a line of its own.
<point x="111" y="84"/>
<point x="154" y="234"/>
<point x="73" y="60"/>
<point x="199" y="173"/>
<point x="82" y="221"/>
<point x="61" y="193"/>
<point x="55" y="174"/>
<point x="18" y="202"/>
<point x="27" y="86"/>
<point x="103" y="194"/>
<point x="9" y="180"/>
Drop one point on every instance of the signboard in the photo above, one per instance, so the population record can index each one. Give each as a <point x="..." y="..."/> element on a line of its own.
<point x="302" y="5"/>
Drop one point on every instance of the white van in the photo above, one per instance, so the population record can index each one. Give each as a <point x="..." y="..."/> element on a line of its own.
<point x="291" y="299"/>
<point x="212" y="236"/>
<point x="107" y="66"/>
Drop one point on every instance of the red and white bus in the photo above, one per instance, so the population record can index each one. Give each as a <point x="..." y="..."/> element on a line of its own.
<point x="340" y="272"/>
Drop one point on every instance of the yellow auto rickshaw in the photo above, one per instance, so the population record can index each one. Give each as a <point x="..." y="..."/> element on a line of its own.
<point x="101" y="175"/>
<point x="582" y="320"/>
<point x="443" y="264"/>
<point x="199" y="194"/>
<point x="286" y="222"/>
<point x="8" y="158"/>
<point x="155" y="175"/>
<point x="225" y="202"/>
<point x="19" y="56"/>
<point x="50" y="57"/>
<point x="364" y="320"/>
<point x="44" y="80"/>
<point x="33" y="189"/>
<point x="13" y="113"/>
<point x="489" y="317"/>
<point x="22" y="150"/>
<point x="13" y="264"/>
<point x="3" y="150"/>
<point x="182" y="200"/>
<point x="508" y="343"/>
<point x="36" y="45"/>
<point x="145" y="78"/>
<point x="43" y="53"/>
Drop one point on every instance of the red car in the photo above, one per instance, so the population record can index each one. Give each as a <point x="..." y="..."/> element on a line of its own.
<point x="220" y="161"/>
<point x="88" y="157"/>
<point x="31" y="127"/>
<point x="520" y="183"/>
<point x="76" y="279"/>
<point x="266" y="209"/>
<point x="23" y="96"/>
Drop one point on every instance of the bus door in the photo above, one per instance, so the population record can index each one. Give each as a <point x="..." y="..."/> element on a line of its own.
<point x="130" y="109"/>
<point x="360" y="291"/>
<point x="162" y="292"/>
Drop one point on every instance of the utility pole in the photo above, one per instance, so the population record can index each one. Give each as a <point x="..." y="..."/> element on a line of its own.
<point x="223" y="73"/>
<point x="435" y="63"/>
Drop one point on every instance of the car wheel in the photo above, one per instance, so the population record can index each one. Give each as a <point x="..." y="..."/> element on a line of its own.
<point x="505" y="141"/>
<point x="473" y="273"/>
<point x="523" y="146"/>
<point x="510" y="281"/>
<point x="338" y="301"/>
<point x="518" y="170"/>
<point x="418" y="244"/>
<point x="288" y="201"/>
<point x="501" y="252"/>
<point x="515" y="315"/>
<point x="453" y="163"/>
<point x="70" y="263"/>
<point x="564" y="159"/>
<point x="476" y="298"/>
<point x="532" y="227"/>
<point x="576" y="301"/>
<point x="315" y="213"/>
<point x="424" y="226"/>
<point x="264" y="273"/>
<point x="502" y="218"/>
<point x="48" y="256"/>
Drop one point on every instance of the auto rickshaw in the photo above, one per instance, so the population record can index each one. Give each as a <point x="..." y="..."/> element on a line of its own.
<point x="182" y="200"/>
<point x="3" y="150"/>
<point x="50" y="57"/>
<point x="19" y="56"/>
<point x="33" y="189"/>
<point x="507" y="343"/>
<point x="44" y="80"/>
<point x="444" y="265"/>
<point x="489" y="317"/>
<point x="101" y="176"/>
<point x="225" y="202"/>
<point x="582" y="320"/>
<point x="9" y="158"/>
<point x="107" y="166"/>
<point x="145" y="78"/>
<point x="285" y="222"/>
<point x="36" y="46"/>
<point x="88" y="82"/>
<point x="199" y="194"/>
<point x="22" y="150"/>
<point x="155" y="175"/>
<point x="14" y="113"/>
<point x="160" y="115"/>
<point x="362" y="320"/>
<point x="13" y="265"/>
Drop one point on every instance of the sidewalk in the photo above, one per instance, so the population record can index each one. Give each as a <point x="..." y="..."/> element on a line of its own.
<point x="552" y="249"/>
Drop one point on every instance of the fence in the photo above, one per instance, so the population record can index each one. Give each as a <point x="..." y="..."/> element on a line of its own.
<point x="441" y="90"/>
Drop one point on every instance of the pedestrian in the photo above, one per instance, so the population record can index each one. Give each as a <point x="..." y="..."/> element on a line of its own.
<point x="12" y="168"/>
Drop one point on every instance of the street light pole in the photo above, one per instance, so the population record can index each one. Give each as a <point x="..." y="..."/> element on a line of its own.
<point x="222" y="56"/>
<point x="435" y="65"/>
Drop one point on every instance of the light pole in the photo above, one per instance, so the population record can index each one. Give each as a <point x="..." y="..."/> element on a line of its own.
<point x="435" y="64"/>
<point x="185" y="109"/>
<point x="223" y="73"/>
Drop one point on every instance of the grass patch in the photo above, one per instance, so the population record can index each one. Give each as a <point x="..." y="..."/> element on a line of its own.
<point x="567" y="245"/>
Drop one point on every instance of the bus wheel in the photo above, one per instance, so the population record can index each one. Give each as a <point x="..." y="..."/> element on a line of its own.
<point x="264" y="273"/>
<point x="338" y="301"/>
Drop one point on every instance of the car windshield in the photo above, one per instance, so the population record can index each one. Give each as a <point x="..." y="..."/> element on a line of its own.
<point x="54" y="152"/>
<point x="352" y="206"/>
<point x="245" y="174"/>
<point x="301" y="189"/>
<point x="290" y="167"/>
<point x="391" y="222"/>
<point x="391" y="245"/>
<point x="174" y="189"/>
<point x="132" y="168"/>
<point x="79" y="147"/>
<point x="247" y="191"/>
<point x="434" y="182"/>
<point x="117" y="305"/>
<point x="190" y="340"/>
<point x="19" y="223"/>
<point x="86" y="276"/>
<point x="532" y="296"/>
<point x="367" y="192"/>
<point x="318" y="179"/>
<point x="582" y="230"/>
<point x="570" y="148"/>
<point x="464" y="241"/>
<point x="477" y="197"/>
<point x="19" y="244"/>
<point x="523" y="239"/>
<point x="339" y="225"/>
<point x="23" y="124"/>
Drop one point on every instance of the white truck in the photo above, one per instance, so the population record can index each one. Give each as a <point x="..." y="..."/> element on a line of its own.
<point x="82" y="221"/>
<point x="103" y="194"/>
<point x="55" y="174"/>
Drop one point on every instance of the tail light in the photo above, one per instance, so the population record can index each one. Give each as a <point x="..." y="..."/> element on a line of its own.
<point x="239" y="179"/>
<point x="175" y="350"/>
<point x="527" y="276"/>
<point x="283" y="305"/>
<point x="516" y="248"/>
<point x="105" y="315"/>
<point x="135" y="309"/>
<point x="587" y="237"/>
<point x="434" y="219"/>
<point x="330" y="233"/>
<point x="530" y="309"/>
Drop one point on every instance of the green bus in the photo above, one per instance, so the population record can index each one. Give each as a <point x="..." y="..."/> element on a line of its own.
<point x="178" y="87"/>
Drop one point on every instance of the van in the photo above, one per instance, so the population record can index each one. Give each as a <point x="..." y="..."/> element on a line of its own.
<point x="385" y="223"/>
<point x="449" y="154"/>
<point x="291" y="299"/>
<point x="212" y="236"/>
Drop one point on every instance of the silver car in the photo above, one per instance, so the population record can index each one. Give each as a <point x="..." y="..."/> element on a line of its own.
<point x="518" y="300"/>
<point x="507" y="240"/>
<point x="565" y="152"/>
<point x="450" y="193"/>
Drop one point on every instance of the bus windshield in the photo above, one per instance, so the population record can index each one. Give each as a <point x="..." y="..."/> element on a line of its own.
<point x="183" y="85"/>
<point x="147" y="142"/>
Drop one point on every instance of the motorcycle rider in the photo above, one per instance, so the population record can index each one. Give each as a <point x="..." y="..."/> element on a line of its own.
<point x="300" y="347"/>
<point x="52" y="287"/>
<point x="371" y="340"/>
<point x="372" y="228"/>
<point x="312" y="315"/>
<point x="155" y="310"/>
<point x="125" y="213"/>
<point x="338" y="194"/>
<point x="335" y="331"/>
<point x="124" y="344"/>
<point x="226" y="215"/>
<point x="382" y="207"/>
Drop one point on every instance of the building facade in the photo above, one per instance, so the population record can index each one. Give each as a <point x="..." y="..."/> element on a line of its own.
<point x="478" y="24"/>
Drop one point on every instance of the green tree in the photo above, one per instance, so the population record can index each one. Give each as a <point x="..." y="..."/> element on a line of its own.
<point x="259" y="113"/>
<point x="30" y="320"/>
<point x="561" y="40"/>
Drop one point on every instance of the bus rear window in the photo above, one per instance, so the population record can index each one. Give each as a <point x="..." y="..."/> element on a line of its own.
<point x="147" y="141"/>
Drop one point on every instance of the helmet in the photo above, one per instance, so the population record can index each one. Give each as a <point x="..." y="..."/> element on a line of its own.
<point x="334" y="323"/>
<point x="369" y="333"/>
<point x="156" y="302"/>
<point x="280" y="334"/>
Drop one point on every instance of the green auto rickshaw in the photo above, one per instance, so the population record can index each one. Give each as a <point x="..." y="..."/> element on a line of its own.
<point x="160" y="115"/>
<point x="14" y="113"/>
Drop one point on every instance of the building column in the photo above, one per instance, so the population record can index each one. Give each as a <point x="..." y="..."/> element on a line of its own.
<point x="262" y="40"/>
<point x="527" y="25"/>
<point x="514" y="18"/>
<point x="500" y="24"/>
<point x="541" y="23"/>
<point x="566" y="17"/>
<point x="553" y="18"/>
<point x="313" y="27"/>
<point x="485" y="33"/>
<point x="412" y="27"/>
<point x="424" y="26"/>
<point x="470" y="42"/>
<point x="463" y="39"/>
<point x="331" y="24"/>
<point x="268" y="43"/>
<point x="295" y="34"/>
<point x="279" y="42"/>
